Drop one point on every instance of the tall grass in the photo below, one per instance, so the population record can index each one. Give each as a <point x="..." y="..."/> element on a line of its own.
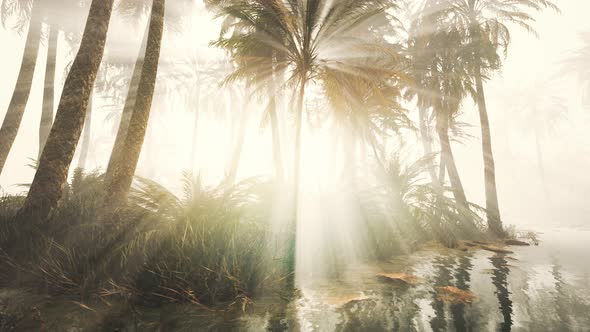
<point x="206" y="247"/>
<point x="407" y="210"/>
<point x="209" y="246"/>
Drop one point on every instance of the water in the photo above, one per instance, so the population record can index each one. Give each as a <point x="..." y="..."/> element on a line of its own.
<point x="536" y="288"/>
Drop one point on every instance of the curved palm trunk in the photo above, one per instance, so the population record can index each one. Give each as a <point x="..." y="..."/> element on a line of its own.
<point x="20" y="96"/>
<point x="492" y="207"/>
<point x="51" y="176"/>
<point x="117" y="151"/>
<point x="87" y="136"/>
<point x="427" y="143"/>
<point x="447" y="158"/>
<point x="49" y="90"/>
<point x="238" y="147"/>
<point x="123" y="171"/>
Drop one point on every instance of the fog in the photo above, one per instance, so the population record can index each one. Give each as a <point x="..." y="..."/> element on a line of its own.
<point x="530" y="193"/>
<point x="295" y="165"/>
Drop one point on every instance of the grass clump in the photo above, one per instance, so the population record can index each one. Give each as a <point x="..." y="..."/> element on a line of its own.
<point x="207" y="247"/>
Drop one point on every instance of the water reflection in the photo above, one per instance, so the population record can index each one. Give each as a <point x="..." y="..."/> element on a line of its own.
<point x="488" y="291"/>
<point x="443" y="275"/>
<point x="463" y="278"/>
<point x="500" y="281"/>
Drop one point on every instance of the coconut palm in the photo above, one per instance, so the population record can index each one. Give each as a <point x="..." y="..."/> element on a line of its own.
<point x="36" y="12"/>
<point x="441" y="83"/>
<point x="119" y="160"/>
<point x="450" y="77"/>
<point x="265" y="59"/>
<point x="578" y="65"/>
<point x="307" y="39"/>
<point x="50" y="178"/>
<point x="540" y="112"/>
<point x="485" y="24"/>
<point x="22" y="9"/>
<point x="119" y="183"/>
<point x="72" y="30"/>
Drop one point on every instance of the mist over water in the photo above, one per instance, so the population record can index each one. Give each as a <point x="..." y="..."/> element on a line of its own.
<point x="540" y="118"/>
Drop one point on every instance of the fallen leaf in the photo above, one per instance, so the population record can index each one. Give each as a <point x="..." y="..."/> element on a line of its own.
<point x="452" y="294"/>
<point x="403" y="278"/>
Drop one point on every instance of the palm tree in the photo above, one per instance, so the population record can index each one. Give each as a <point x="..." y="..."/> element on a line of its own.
<point x="50" y="178"/>
<point x="49" y="89"/>
<point x="540" y="112"/>
<point x="306" y="38"/>
<point x="265" y="60"/>
<point x="441" y="83"/>
<point x="21" y="93"/>
<point x="487" y="36"/>
<point x="119" y="184"/>
<point x="130" y="100"/>
<point x="71" y="29"/>
<point x="87" y="135"/>
<point x="36" y="12"/>
<point x="578" y="65"/>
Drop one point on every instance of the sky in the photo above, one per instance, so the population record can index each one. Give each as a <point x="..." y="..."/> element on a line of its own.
<point x="524" y="198"/>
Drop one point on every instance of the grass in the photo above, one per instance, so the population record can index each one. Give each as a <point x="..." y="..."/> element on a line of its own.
<point x="206" y="248"/>
<point x="209" y="247"/>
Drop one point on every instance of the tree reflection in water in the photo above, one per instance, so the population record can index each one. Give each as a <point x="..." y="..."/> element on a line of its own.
<point x="500" y="281"/>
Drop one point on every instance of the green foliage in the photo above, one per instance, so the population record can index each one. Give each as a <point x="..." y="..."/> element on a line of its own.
<point x="407" y="210"/>
<point x="207" y="247"/>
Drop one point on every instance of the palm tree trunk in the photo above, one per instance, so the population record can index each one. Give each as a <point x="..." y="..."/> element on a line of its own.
<point x="448" y="159"/>
<point x="276" y="139"/>
<point x="119" y="184"/>
<point x="427" y="143"/>
<point x="87" y="136"/>
<point x="492" y="207"/>
<point x="49" y="90"/>
<point x="292" y="243"/>
<point x="117" y="151"/>
<point x="20" y="96"/>
<point x="297" y="156"/>
<point x="232" y="171"/>
<point x="541" y="165"/>
<point x="51" y="176"/>
<point x="195" y="131"/>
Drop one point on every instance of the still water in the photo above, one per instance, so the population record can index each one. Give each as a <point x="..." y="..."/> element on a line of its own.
<point x="535" y="288"/>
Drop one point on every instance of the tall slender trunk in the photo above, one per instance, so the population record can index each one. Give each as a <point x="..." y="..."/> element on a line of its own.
<point x="427" y="143"/>
<point x="442" y="127"/>
<point x="232" y="170"/>
<point x="276" y="138"/>
<point x="539" y="157"/>
<point x="492" y="207"/>
<point x="541" y="165"/>
<point x="20" y="96"/>
<point x="442" y="171"/>
<point x="297" y="151"/>
<point x="49" y="90"/>
<point x="119" y="184"/>
<point x="195" y="130"/>
<point x="84" y="148"/>
<point x="51" y="176"/>
<point x="292" y="245"/>
<point x="118" y="151"/>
